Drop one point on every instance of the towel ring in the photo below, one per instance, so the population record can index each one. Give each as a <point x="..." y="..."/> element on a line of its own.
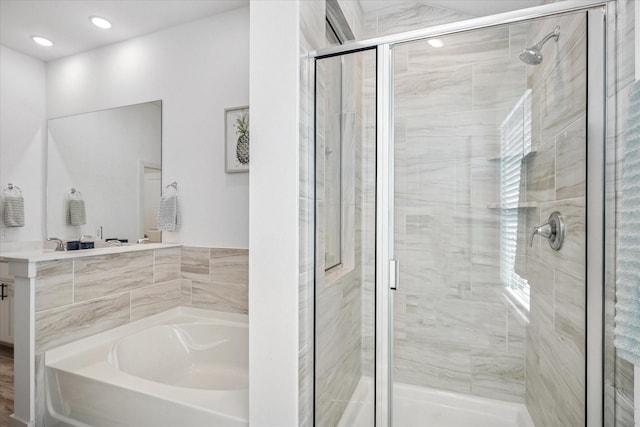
<point x="74" y="194"/>
<point x="173" y="185"/>
<point x="9" y="188"/>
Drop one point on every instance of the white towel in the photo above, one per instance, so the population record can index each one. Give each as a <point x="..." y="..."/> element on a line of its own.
<point x="14" y="211"/>
<point x="627" y="318"/>
<point x="169" y="213"/>
<point x="77" y="214"/>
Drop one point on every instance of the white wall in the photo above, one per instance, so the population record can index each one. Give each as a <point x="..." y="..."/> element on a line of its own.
<point x="273" y="255"/>
<point x="22" y="139"/>
<point x="197" y="69"/>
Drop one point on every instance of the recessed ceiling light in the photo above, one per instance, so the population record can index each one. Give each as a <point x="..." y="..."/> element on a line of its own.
<point x="435" y="42"/>
<point x="42" y="41"/>
<point x="100" y="22"/>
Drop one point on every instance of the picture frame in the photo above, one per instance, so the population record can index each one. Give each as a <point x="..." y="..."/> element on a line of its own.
<point x="236" y="131"/>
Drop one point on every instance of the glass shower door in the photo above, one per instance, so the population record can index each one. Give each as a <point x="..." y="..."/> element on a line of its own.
<point x="345" y="106"/>
<point x="489" y="318"/>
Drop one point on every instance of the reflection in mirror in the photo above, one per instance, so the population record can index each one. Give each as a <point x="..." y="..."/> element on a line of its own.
<point x="114" y="158"/>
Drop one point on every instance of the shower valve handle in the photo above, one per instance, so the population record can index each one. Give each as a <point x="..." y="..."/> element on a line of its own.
<point x="553" y="230"/>
<point x="544" y="230"/>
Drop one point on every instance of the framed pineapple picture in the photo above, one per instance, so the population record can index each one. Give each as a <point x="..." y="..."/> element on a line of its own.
<point x="236" y="130"/>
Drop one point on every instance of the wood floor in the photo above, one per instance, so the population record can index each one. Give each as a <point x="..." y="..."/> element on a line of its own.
<point x="6" y="384"/>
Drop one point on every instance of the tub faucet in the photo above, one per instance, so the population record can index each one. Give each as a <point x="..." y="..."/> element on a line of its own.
<point x="59" y="243"/>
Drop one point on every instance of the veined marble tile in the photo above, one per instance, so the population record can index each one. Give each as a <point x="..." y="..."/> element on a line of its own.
<point x="419" y="143"/>
<point x="625" y="43"/>
<point x="562" y="368"/>
<point x="516" y="334"/>
<point x="485" y="229"/>
<point x="499" y="375"/>
<point x="433" y="90"/>
<point x="570" y="310"/>
<point x="98" y="276"/>
<point x="404" y="17"/>
<point x="435" y="365"/>
<point x="540" y="174"/>
<point x="444" y="181"/>
<point x="564" y="92"/>
<point x="39" y="389"/>
<point x="498" y="84"/>
<point x="624" y="378"/>
<point x="470" y="47"/>
<point x="62" y="325"/>
<point x="486" y="147"/>
<point x="54" y="284"/>
<point x="486" y="284"/>
<point x="195" y="263"/>
<point x="624" y="410"/>
<point x="517" y="39"/>
<point x="167" y="265"/>
<point x="155" y="299"/>
<point x="229" y="266"/>
<point x="479" y="123"/>
<point x="572" y="30"/>
<point x="571" y="161"/>
<point x="485" y="182"/>
<point x="226" y="297"/>
<point x="185" y="292"/>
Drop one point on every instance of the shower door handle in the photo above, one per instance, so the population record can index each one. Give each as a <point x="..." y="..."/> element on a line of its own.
<point x="394" y="274"/>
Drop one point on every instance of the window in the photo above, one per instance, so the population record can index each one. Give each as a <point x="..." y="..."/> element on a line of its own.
<point x="515" y="145"/>
<point x="332" y="157"/>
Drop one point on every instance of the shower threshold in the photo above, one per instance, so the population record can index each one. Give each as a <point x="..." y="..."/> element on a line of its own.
<point x="415" y="405"/>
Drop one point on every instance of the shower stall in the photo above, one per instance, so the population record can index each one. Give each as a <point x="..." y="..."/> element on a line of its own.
<point x="458" y="235"/>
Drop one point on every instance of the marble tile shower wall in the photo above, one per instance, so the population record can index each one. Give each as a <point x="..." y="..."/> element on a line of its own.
<point x="312" y="37"/>
<point x="618" y="373"/>
<point x="555" y="179"/>
<point x="453" y="329"/>
<point x="76" y="298"/>
<point x="339" y="294"/>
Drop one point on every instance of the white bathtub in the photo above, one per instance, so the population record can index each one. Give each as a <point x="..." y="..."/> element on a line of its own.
<point x="184" y="367"/>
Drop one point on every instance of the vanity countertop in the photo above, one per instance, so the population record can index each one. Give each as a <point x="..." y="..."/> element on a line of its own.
<point x="51" y="255"/>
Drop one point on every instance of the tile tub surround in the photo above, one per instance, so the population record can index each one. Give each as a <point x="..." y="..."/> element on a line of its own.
<point x="556" y="180"/>
<point x="76" y="297"/>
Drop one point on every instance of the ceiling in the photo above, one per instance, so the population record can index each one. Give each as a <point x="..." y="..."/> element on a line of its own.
<point x="66" y="22"/>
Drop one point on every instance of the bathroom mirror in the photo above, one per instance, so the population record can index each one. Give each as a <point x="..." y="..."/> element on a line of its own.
<point x="113" y="159"/>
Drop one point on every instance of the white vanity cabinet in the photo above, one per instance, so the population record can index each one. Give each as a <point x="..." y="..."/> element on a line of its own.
<point x="6" y="304"/>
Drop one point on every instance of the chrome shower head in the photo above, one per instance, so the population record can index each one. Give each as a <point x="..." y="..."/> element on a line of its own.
<point x="532" y="55"/>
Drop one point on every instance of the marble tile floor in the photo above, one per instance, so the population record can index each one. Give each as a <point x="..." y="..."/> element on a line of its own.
<point x="6" y="384"/>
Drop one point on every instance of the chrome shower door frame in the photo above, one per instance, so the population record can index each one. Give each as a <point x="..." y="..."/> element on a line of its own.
<point x="596" y="102"/>
<point x="596" y="119"/>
